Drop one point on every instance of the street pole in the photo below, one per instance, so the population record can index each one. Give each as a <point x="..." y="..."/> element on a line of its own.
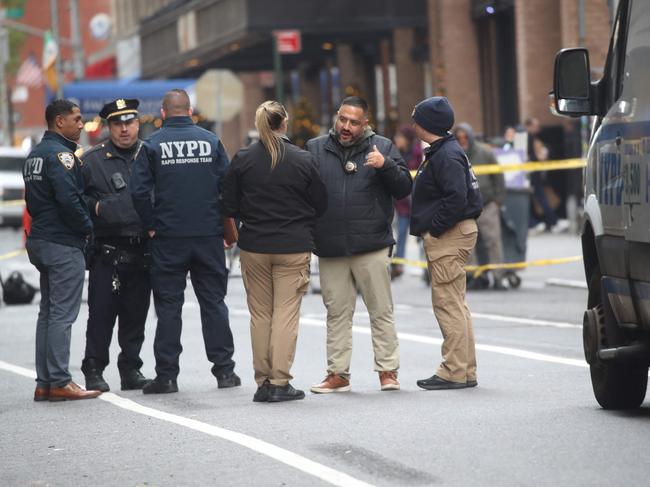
<point x="75" y="34"/>
<point x="277" y="64"/>
<point x="54" y="15"/>
<point x="4" y="99"/>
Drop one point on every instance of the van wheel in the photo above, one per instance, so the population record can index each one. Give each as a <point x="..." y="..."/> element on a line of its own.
<point x="616" y="385"/>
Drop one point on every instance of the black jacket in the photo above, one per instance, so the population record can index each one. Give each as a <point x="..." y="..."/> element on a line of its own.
<point x="278" y="208"/>
<point x="103" y="169"/>
<point x="360" y="204"/>
<point x="184" y="165"/>
<point x="445" y="191"/>
<point x="54" y="192"/>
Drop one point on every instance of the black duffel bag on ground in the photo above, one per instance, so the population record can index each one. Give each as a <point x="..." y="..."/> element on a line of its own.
<point x="16" y="291"/>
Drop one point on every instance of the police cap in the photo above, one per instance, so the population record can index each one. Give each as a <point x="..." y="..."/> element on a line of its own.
<point x="122" y="108"/>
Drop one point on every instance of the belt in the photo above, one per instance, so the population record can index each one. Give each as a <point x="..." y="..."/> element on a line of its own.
<point x="121" y="241"/>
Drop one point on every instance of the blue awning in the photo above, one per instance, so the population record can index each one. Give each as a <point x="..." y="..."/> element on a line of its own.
<point x="92" y="95"/>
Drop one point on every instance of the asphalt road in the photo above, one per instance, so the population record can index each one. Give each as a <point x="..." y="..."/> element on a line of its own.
<point x="532" y="420"/>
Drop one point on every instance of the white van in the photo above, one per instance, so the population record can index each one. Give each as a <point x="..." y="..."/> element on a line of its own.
<point x="616" y="227"/>
<point x="12" y="187"/>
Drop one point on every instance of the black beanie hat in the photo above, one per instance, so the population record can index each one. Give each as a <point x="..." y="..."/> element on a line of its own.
<point x="435" y="115"/>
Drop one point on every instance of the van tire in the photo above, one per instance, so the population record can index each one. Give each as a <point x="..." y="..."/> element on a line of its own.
<point x="619" y="386"/>
<point x="616" y="385"/>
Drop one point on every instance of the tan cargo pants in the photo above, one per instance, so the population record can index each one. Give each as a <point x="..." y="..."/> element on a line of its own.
<point x="275" y="285"/>
<point x="339" y="279"/>
<point x="446" y="258"/>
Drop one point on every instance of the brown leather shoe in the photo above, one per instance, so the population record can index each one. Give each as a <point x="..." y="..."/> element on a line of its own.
<point x="41" y="394"/>
<point x="332" y="383"/>
<point x="71" y="392"/>
<point x="388" y="380"/>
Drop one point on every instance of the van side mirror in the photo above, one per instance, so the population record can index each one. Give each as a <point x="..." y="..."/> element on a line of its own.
<point x="572" y="84"/>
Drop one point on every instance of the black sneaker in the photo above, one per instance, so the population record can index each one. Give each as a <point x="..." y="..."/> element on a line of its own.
<point x="228" y="379"/>
<point x="435" y="383"/>
<point x="160" y="386"/>
<point x="95" y="381"/>
<point x="133" y="380"/>
<point x="262" y="393"/>
<point x="284" y="393"/>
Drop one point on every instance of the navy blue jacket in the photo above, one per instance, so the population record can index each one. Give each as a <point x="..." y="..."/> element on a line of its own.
<point x="445" y="190"/>
<point x="359" y="205"/>
<point x="54" y="192"/>
<point x="184" y="166"/>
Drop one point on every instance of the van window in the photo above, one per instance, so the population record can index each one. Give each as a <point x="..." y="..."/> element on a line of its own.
<point x="12" y="164"/>
<point x="636" y="79"/>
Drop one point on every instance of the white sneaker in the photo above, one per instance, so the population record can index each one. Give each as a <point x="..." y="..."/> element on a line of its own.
<point x="561" y="226"/>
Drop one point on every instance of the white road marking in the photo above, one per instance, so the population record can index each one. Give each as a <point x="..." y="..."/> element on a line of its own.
<point x="427" y="340"/>
<point x="315" y="469"/>
<point x="525" y="321"/>
<point x="567" y="283"/>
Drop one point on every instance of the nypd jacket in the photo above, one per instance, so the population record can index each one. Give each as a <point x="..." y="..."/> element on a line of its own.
<point x="445" y="190"/>
<point x="184" y="166"/>
<point x="54" y="192"/>
<point x="359" y="204"/>
<point x="107" y="180"/>
<point x="278" y="207"/>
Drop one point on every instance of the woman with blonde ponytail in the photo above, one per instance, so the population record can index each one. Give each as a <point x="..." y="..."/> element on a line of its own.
<point x="275" y="189"/>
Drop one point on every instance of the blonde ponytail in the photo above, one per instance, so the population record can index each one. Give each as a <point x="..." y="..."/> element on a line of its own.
<point x="268" y="119"/>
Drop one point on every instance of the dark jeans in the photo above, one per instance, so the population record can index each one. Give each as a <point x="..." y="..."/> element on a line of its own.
<point x="131" y="305"/>
<point x="204" y="258"/>
<point x="62" y="270"/>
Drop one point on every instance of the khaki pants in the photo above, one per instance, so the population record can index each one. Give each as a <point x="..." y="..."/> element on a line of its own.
<point x="275" y="284"/>
<point x="339" y="279"/>
<point x="446" y="258"/>
<point x="489" y="236"/>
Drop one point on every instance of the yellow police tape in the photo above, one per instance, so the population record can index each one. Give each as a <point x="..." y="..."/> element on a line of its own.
<point x="482" y="169"/>
<point x="477" y="270"/>
<point x="479" y="170"/>
<point x="11" y="255"/>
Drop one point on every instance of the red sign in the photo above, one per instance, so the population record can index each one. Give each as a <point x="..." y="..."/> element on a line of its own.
<point x="288" y="41"/>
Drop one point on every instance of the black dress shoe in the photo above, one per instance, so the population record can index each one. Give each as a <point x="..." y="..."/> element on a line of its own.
<point x="228" y="379"/>
<point x="262" y="393"/>
<point x="160" y="386"/>
<point x="284" y="393"/>
<point x="471" y="383"/>
<point x="133" y="380"/>
<point x="95" y="381"/>
<point x="435" y="383"/>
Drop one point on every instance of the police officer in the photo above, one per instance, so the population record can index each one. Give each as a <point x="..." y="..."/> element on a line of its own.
<point x="60" y="226"/>
<point x="446" y="202"/>
<point x="184" y="165"/>
<point x="118" y="260"/>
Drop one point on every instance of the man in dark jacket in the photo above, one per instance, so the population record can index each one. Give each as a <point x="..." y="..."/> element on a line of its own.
<point x="493" y="193"/>
<point x="184" y="166"/>
<point x="363" y="172"/>
<point x="60" y="226"/>
<point x="119" y="277"/>
<point x="445" y="204"/>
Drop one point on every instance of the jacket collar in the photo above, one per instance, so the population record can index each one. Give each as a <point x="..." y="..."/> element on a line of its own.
<point x="178" y="121"/>
<point x="433" y="148"/>
<point x="50" y="135"/>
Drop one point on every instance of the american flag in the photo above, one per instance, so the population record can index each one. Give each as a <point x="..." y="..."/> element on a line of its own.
<point x="30" y="74"/>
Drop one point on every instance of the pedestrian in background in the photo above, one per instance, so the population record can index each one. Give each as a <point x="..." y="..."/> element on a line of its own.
<point x="60" y="228"/>
<point x="411" y="150"/>
<point x="118" y="261"/>
<point x="493" y="194"/>
<point x="446" y="204"/>
<point x="184" y="166"/>
<point x="275" y="189"/>
<point x="363" y="172"/>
